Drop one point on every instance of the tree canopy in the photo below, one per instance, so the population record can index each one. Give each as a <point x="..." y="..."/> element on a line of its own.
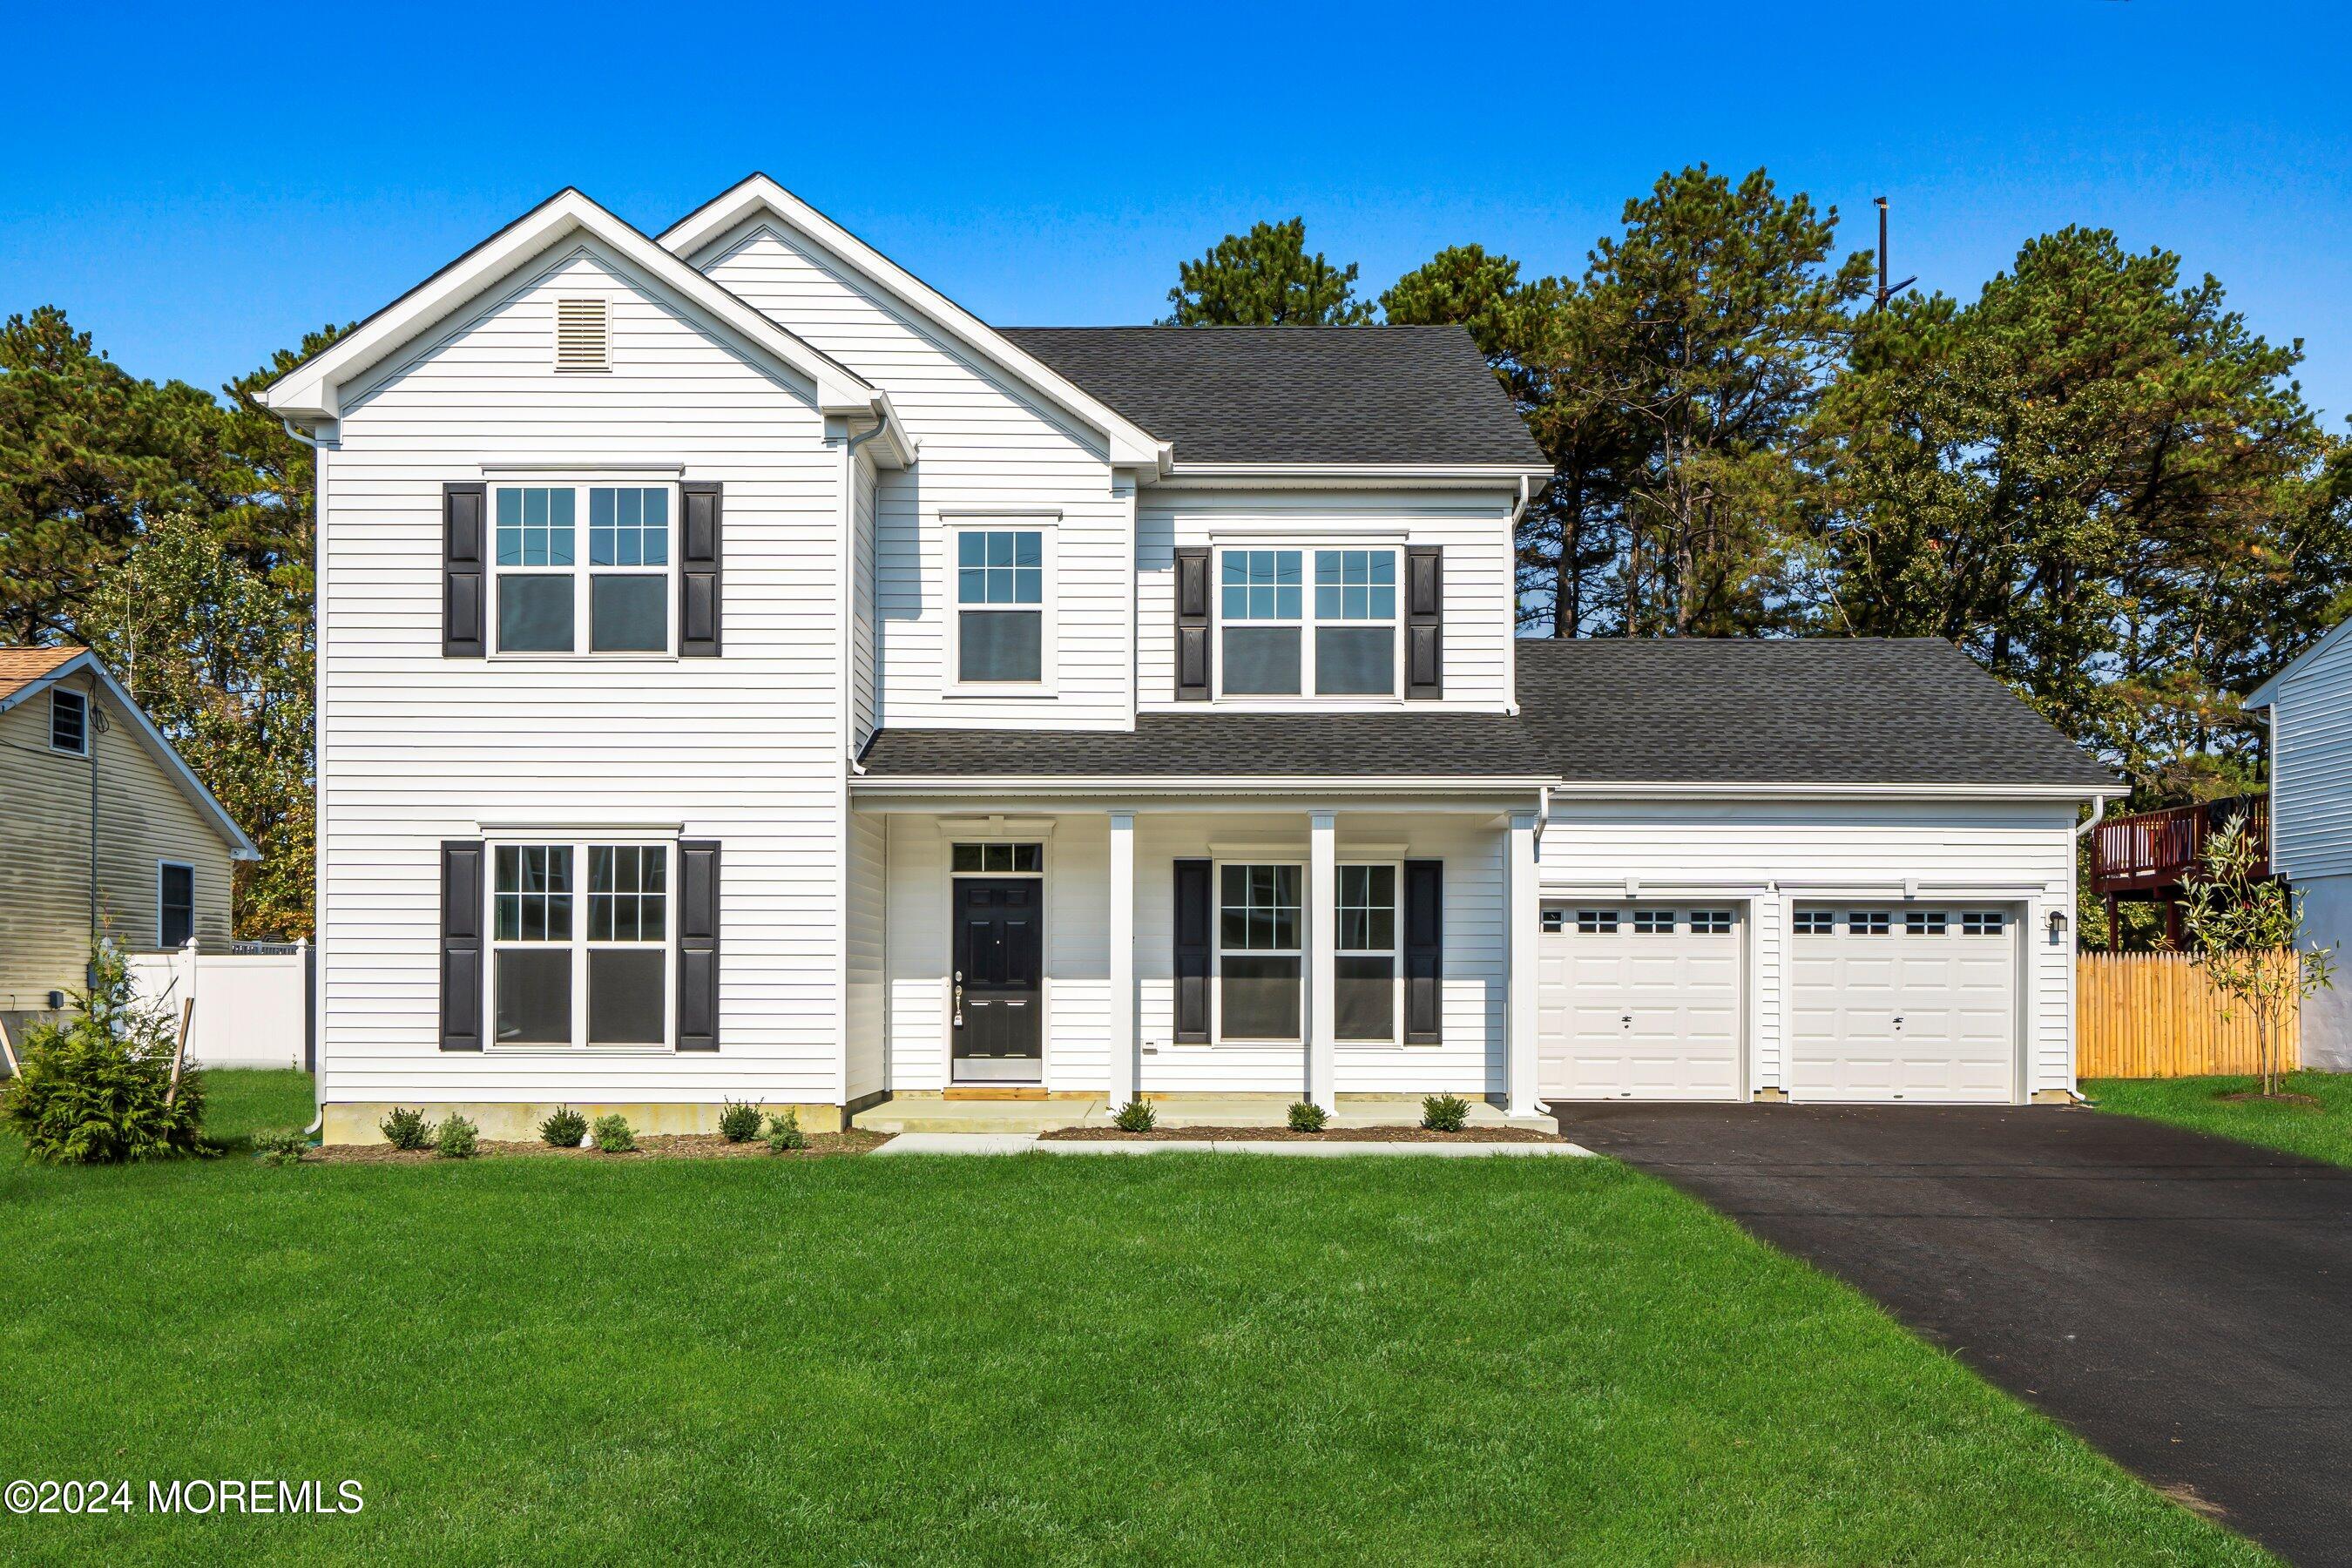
<point x="1266" y="279"/>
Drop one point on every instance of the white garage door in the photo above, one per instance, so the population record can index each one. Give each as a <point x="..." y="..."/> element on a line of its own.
<point x="1903" y="1004"/>
<point x="1638" y="1002"/>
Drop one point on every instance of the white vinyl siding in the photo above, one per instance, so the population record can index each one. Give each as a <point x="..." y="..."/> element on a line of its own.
<point x="988" y="447"/>
<point x="416" y="748"/>
<point x="1777" y="856"/>
<point x="1473" y="528"/>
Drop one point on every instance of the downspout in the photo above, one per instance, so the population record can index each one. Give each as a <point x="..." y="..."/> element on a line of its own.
<point x="90" y="733"/>
<point x="848" y="580"/>
<point x="2098" y="809"/>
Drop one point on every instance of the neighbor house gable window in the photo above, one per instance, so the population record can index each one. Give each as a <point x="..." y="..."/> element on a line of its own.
<point x="583" y="568"/>
<point x="580" y="939"/>
<point x="1001" y="578"/>
<point x="175" y="904"/>
<point x="1259" y="952"/>
<point x="69" y="721"/>
<point x="1278" y="639"/>
<point x="1364" y="960"/>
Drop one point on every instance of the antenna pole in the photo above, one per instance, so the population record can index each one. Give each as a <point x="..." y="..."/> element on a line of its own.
<point x="1885" y="290"/>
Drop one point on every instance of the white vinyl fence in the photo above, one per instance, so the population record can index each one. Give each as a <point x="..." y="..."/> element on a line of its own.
<point x="252" y="1007"/>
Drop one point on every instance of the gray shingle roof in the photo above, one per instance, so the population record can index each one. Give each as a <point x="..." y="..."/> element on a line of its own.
<point x="1597" y="711"/>
<point x="1254" y="745"/>
<point x="1296" y="394"/>
<point x="1817" y="711"/>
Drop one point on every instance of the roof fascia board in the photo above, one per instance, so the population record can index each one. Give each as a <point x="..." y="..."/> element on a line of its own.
<point x="1131" y="446"/>
<point x="240" y="847"/>
<point x="1211" y="785"/>
<point x="1635" y="791"/>
<point x="1416" y="476"/>
<point x="313" y="388"/>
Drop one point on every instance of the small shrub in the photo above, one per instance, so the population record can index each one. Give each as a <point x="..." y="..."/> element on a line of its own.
<point x="93" y="1090"/>
<point x="281" y="1148"/>
<point x="1308" y="1117"/>
<point x="613" y="1135"/>
<point x="1444" y="1113"/>
<point x="408" y="1129"/>
<point x="564" y="1129"/>
<point x="457" y="1139"/>
<point x="740" y="1121"/>
<point x="784" y="1134"/>
<point x="1136" y="1116"/>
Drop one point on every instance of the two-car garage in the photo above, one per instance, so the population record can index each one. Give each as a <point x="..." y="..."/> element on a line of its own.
<point x="1650" y="1000"/>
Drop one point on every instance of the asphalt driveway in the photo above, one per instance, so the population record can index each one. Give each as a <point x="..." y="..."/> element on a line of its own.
<point x="2183" y="1302"/>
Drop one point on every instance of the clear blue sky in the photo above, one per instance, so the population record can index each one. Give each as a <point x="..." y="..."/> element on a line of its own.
<point x="208" y="183"/>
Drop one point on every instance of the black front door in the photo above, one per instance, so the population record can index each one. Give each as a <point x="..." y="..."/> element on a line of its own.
<point x="997" y="996"/>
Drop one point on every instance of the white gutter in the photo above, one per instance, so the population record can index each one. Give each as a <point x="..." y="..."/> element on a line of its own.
<point x="2098" y="809"/>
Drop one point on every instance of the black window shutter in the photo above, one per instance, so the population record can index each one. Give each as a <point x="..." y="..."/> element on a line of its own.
<point x="461" y="945"/>
<point x="1192" y="628"/>
<point x="697" y="944"/>
<point x="463" y="509"/>
<point x="1193" y="953"/>
<point x="1424" y="621"/>
<point x="1425" y="951"/>
<point x="697" y="568"/>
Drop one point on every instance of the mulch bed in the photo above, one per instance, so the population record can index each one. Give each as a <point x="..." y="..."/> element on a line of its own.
<point x="1285" y="1135"/>
<point x="2283" y="1097"/>
<point x="650" y="1146"/>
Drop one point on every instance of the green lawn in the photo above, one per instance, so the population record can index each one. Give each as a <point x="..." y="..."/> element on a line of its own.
<point x="1179" y="1358"/>
<point x="2322" y="1131"/>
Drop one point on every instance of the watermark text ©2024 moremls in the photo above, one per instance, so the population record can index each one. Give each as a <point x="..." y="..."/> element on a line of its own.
<point x="235" y="1494"/>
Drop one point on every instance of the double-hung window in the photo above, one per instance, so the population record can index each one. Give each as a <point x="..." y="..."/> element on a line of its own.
<point x="554" y="596"/>
<point x="1000" y="594"/>
<point x="1281" y="640"/>
<point x="69" y="721"/>
<point x="1259" y="952"/>
<point x="579" y="937"/>
<point x="175" y="903"/>
<point x="1364" y="982"/>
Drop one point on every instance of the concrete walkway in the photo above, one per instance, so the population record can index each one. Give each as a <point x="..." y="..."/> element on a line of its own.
<point x="1323" y="1149"/>
<point x="929" y="1112"/>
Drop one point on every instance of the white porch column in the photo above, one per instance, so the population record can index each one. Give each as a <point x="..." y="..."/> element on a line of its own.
<point x="1121" y="1002"/>
<point x="1524" y="911"/>
<point x="1322" y="967"/>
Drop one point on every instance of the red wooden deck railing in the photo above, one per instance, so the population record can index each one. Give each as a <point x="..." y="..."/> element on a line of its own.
<point x="2157" y="849"/>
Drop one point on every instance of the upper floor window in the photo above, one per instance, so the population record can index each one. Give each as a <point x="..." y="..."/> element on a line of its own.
<point x="1278" y="640"/>
<point x="547" y="594"/>
<point x="69" y="721"/>
<point x="175" y="903"/>
<point x="1000" y="590"/>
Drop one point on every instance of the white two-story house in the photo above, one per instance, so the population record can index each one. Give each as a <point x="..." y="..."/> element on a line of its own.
<point x="746" y="674"/>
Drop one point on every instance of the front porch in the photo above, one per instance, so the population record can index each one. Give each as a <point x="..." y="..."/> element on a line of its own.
<point x="1224" y="957"/>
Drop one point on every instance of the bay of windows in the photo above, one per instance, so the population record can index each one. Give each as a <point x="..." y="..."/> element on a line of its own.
<point x="1280" y="640"/>
<point x="546" y="593"/>
<point x="1261" y="953"/>
<point x="565" y="974"/>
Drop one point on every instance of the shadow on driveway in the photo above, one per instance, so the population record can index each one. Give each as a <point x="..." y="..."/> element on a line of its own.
<point x="2184" y="1302"/>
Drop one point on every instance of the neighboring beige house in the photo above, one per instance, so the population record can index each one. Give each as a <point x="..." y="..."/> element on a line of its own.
<point x="101" y="824"/>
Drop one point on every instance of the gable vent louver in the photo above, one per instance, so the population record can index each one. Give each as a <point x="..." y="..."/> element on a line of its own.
<point x="583" y="338"/>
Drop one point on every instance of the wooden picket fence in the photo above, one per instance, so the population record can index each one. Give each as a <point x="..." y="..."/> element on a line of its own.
<point x="2154" y="1015"/>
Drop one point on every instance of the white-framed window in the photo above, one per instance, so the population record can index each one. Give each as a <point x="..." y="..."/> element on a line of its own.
<point x="1003" y="588"/>
<point x="1816" y="922"/>
<point x="1555" y="920"/>
<point x="69" y="721"/>
<point x="1654" y="922"/>
<point x="1868" y="923"/>
<point x="175" y="903"/>
<point x="997" y="861"/>
<point x="1926" y="923"/>
<point x="1366" y="972"/>
<point x="583" y="568"/>
<point x="1983" y="922"/>
<point x="1596" y="922"/>
<point x="1282" y="634"/>
<point x="1710" y="922"/>
<point x="1260" y="953"/>
<point x="581" y="936"/>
